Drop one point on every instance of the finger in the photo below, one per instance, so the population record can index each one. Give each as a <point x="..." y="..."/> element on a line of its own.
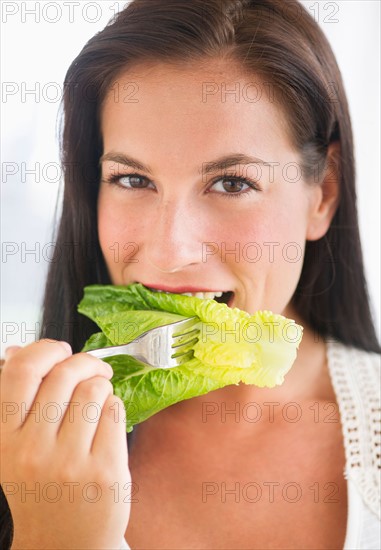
<point x="81" y="420"/>
<point x="56" y="392"/>
<point x="110" y="440"/>
<point x="23" y="373"/>
<point x="11" y="350"/>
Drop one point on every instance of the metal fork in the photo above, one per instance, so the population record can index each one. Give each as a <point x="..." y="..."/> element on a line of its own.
<point x="162" y="347"/>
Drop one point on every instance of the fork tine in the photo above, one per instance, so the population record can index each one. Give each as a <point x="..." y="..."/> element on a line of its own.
<point x="154" y="347"/>
<point x="184" y="348"/>
<point x="177" y="361"/>
<point x="181" y="327"/>
<point x="184" y="338"/>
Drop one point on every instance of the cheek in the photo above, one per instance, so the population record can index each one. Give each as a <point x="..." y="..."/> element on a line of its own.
<point x="271" y="233"/>
<point x="271" y="252"/>
<point x="117" y="233"/>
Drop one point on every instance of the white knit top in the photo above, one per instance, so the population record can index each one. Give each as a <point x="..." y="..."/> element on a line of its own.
<point x="355" y="376"/>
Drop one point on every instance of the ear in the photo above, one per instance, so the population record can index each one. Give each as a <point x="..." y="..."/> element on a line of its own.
<point x="325" y="196"/>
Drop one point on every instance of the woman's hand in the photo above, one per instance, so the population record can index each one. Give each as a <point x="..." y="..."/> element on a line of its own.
<point x="64" y="462"/>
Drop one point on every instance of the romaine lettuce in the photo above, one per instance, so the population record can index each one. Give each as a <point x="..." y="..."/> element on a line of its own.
<point x="233" y="346"/>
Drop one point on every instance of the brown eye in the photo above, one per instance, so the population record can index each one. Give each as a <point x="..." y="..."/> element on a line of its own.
<point x="134" y="182"/>
<point x="231" y="186"/>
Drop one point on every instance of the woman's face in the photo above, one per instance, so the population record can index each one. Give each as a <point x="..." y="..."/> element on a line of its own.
<point x="180" y="223"/>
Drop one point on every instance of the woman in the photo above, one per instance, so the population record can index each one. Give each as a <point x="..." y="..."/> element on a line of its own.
<point x="198" y="126"/>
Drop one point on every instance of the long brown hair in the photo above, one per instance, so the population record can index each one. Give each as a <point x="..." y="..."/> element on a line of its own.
<point x="280" y="42"/>
<point x="274" y="39"/>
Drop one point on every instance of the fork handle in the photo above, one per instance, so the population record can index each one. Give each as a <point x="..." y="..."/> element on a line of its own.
<point x="133" y="348"/>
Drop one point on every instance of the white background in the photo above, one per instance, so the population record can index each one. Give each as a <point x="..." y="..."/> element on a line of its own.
<point x="39" y="41"/>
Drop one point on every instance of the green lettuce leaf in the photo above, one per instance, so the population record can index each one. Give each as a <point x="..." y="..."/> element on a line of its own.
<point x="233" y="346"/>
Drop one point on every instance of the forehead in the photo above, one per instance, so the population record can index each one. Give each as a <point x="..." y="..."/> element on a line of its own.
<point x="211" y="107"/>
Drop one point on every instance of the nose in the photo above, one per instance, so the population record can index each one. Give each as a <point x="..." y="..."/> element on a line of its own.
<point x="173" y="241"/>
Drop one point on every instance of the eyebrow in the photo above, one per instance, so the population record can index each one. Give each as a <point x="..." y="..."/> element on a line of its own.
<point x="121" y="158"/>
<point x="207" y="167"/>
<point x="227" y="161"/>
